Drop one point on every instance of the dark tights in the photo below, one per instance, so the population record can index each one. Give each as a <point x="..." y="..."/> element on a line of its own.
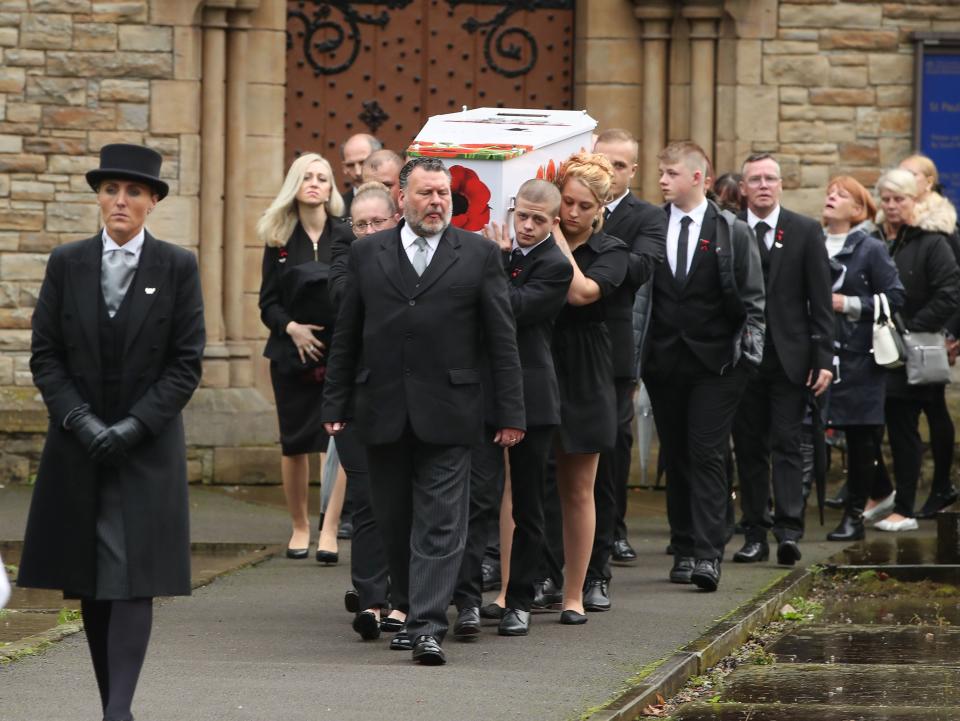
<point x="117" y="633"/>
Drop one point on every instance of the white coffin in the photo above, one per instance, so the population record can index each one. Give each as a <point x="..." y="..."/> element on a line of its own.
<point x="490" y="152"/>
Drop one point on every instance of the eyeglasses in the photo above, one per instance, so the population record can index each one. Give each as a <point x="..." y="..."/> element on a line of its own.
<point x="755" y="181"/>
<point x="376" y="224"/>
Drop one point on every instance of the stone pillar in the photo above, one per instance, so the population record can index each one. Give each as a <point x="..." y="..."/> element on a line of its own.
<point x="656" y="20"/>
<point x="241" y="370"/>
<point x="216" y="371"/>
<point x="703" y="63"/>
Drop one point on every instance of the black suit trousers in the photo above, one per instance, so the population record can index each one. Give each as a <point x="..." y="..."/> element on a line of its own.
<point x="420" y="494"/>
<point x="528" y="461"/>
<point x="694" y="413"/>
<point x="610" y="489"/>
<point x="767" y="432"/>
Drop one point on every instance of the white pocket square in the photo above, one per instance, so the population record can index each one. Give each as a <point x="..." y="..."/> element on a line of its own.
<point x="150" y="291"/>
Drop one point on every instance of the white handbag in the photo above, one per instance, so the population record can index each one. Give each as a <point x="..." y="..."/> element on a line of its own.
<point x="888" y="349"/>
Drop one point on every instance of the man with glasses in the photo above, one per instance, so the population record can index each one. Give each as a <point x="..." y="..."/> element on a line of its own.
<point x="797" y="358"/>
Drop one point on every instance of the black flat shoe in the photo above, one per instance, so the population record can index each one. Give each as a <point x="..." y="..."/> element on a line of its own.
<point x="706" y="574"/>
<point x="545" y="595"/>
<point x="367" y="625"/>
<point x="596" y="597"/>
<point x="351" y="601"/>
<point x="572" y="618"/>
<point x="752" y="552"/>
<point x="327" y="558"/>
<point x="682" y="569"/>
<point x="491" y="612"/>
<point x="622" y="551"/>
<point x="467" y="625"/>
<point x="298" y="553"/>
<point x="850" y="529"/>
<point x="936" y="502"/>
<point x="788" y="553"/>
<point x="401" y="641"/>
<point x="345" y="531"/>
<point x="427" y="651"/>
<point x="390" y="625"/>
<point x="514" y="622"/>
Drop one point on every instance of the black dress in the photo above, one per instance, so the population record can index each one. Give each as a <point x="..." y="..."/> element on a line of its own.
<point x="583" y="354"/>
<point x="294" y="288"/>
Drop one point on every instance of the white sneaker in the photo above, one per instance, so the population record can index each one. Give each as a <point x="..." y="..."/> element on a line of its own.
<point x="882" y="509"/>
<point x="907" y="524"/>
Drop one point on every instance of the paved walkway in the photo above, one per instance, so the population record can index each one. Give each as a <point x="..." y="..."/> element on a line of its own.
<point x="273" y="642"/>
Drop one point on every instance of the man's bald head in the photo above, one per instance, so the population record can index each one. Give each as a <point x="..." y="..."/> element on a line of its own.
<point x="354" y="151"/>
<point x="383" y="166"/>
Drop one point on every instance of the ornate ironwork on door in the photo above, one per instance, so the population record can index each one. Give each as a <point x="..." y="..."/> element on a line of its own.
<point x="384" y="67"/>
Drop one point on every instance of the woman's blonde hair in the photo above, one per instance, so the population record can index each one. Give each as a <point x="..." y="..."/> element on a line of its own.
<point x="927" y="167"/>
<point x="898" y="181"/>
<point x="278" y="221"/>
<point x="375" y="189"/>
<point x="594" y="171"/>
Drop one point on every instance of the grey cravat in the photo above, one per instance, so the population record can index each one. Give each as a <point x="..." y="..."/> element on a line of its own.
<point x="420" y="255"/>
<point x="117" y="267"/>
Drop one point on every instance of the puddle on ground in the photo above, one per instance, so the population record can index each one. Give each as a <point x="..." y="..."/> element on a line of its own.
<point x="15" y="625"/>
<point x="894" y="611"/>
<point x="853" y="645"/>
<point x="898" y="551"/>
<point x="778" y="712"/>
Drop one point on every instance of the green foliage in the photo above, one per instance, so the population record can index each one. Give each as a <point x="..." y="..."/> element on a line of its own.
<point x="759" y="657"/>
<point x="68" y="615"/>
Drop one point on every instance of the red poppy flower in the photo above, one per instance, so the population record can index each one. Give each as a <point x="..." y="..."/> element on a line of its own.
<point x="471" y="199"/>
<point x="704" y="244"/>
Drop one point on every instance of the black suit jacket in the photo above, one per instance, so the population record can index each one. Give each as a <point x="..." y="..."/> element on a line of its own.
<point x="799" y="302"/>
<point x="161" y="368"/>
<point x="409" y="350"/>
<point x="538" y="285"/>
<point x="643" y="227"/>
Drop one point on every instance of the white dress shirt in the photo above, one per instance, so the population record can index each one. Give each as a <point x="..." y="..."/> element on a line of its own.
<point x="408" y="240"/>
<point x="612" y="205"/>
<point x="132" y="246"/>
<point x="526" y="251"/>
<point x="673" y="233"/>
<point x="770" y="220"/>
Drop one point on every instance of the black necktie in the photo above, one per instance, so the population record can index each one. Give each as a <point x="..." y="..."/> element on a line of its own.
<point x="606" y="214"/>
<point x="761" y="229"/>
<point x="682" y="241"/>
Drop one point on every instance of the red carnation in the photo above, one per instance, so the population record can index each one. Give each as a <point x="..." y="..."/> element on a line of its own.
<point x="471" y="199"/>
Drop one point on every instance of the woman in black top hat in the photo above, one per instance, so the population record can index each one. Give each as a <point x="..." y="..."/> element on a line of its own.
<point x="298" y="230"/>
<point x="117" y="345"/>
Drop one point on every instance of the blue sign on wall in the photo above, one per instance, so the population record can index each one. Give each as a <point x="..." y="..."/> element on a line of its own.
<point x="940" y="117"/>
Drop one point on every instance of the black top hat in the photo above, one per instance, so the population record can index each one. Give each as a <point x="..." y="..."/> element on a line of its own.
<point x="129" y="162"/>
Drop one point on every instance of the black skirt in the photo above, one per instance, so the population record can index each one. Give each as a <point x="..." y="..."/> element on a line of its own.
<point x="298" y="397"/>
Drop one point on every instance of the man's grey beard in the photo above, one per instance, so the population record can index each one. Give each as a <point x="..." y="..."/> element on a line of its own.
<point x="417" y="228"/>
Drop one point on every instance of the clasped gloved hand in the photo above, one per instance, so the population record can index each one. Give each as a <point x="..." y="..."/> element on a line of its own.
<point x="111" y="445"/>
<point x="85" y="426"/>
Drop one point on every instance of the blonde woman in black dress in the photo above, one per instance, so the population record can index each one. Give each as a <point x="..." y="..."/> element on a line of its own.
<point x="584" y="363"/>
<point x="297" y="230"/>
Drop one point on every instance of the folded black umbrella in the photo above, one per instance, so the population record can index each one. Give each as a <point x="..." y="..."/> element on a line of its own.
<point x="819" y="451"/>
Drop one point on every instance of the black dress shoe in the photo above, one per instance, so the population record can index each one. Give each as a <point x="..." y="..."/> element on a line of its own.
<point x="706" y="574"/>
<point x="390" y="625"/>
<point x="788" y="553"/>
<point x="546" y="594"/>
<point x="345" y="530"/>
<point x="752" y="552"/>
<point x="596" y="597"/>
<point x="850" y="529"/>
<point x="401" y="641"/>
<point x="367" y="625"/>
<point x="491" y="612"/>
<point x="298" y="552"/>
<point x="622" y="551"/>
<point x="936" y="502"/>
<point x="490" y="570"/>
<point x="572" y="618"/>
<point x="351" y="601"/>
<point x="328" y="558"/>
<point x="682" y="569"/>
<point x="427" y="651"/>
<point x="467" y="625"/>
<point x="514" y="622"/>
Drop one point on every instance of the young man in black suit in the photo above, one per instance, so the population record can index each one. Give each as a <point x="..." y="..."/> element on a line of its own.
<point x="424" y="304"/>
<point x="643" y="228"/>
<point x="539" y="277"/>
<point x="706" y="325"/>
<point x="797" y="357"/>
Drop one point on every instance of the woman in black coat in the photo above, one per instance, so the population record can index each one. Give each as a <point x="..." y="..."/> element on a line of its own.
<point x="116" y="353"/>
<point x="931" y="281"/>
<point x="862" y="268"/>
<point x="298" y="230"/>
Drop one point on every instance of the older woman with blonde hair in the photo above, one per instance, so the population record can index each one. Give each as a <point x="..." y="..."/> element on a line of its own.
<point x="931" y="280"/>
<point x="298" y="230"/>
<point x="584" y="360"/>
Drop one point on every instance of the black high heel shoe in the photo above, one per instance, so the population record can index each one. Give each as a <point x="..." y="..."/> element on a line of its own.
<point x="572" y="618"/>
<point x="297" y="552"/>
<point x="327" y="558"/>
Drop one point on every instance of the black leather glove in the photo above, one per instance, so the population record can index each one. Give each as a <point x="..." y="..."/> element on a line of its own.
<point x="84" y="425"/>
<point x="111" y="445"/>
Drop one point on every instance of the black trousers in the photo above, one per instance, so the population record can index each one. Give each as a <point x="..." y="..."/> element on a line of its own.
<point x="863" y="457"/>
<point x="528" y="461"/>
<point x="551" y="562"/>
<point x="421" y="498"/>
<point x="942" y="438"/>
<point x="903" y="426"/>
<point x="767" y="432"/>
<point x="626" y="389"/>
<point x="694" y="413"/>
<point x="368" y="561"/>
<point x="118" y="633"/>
